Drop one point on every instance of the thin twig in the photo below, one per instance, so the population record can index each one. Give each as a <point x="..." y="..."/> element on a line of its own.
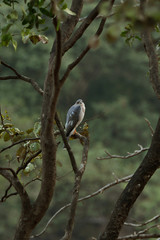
<point x="15" y="193"/>
<point x="18" y="142"/>
<point x="33" y="180"/>
<point x="129" y="155"/>
<point x="28" y="161"/>
<point x="147" y="229"/>
<point x="141" y="236"/>
<point x="6" y="193"/>
<point x="150" y="126"/>
<point x="142" y="224"/>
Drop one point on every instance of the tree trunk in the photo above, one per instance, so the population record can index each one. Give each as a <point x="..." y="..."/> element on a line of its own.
<point x="134" y="188"/>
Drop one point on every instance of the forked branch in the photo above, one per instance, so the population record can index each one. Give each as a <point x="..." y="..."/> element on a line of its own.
<point x="129" y="155"/>
<point x="21" y="77"/>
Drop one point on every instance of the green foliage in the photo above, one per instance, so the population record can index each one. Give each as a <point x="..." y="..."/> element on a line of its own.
<point x="28" y="19"/>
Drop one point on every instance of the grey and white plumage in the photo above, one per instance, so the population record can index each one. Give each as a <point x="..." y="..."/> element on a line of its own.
<point x="74" y="117"/>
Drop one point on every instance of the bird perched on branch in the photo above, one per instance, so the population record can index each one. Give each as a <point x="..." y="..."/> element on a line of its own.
<point x="74" y="117"/>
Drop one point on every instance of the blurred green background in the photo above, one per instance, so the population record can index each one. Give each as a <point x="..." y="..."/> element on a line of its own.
<point x="113" y="81"/>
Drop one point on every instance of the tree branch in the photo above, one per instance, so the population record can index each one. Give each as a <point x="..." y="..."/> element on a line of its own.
<point x="83" y="53"/>
<point x="21" y="77"/>
<point x="149" y="125"/>
<point x="130" y="155"/>
<point x="99" y="191"/>
<point x="141" y="236"/>
<point x="84" y="25"/>
<point x="26" y="206"/>
<point x="70" y="153"/>
<point x="151" y="53"/>
<point x="18" y="142"/>
<point x="78" y="178"/>
<point x="28" y="161"/>
<point x="142" y="224"/>
<point x="134" y="188"/>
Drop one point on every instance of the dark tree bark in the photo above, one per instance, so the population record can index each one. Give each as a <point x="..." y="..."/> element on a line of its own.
<point x="134" y="188"/>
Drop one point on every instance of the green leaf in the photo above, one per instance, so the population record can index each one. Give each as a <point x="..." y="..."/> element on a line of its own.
<point x="67" y="10"/>
<point x="30" y="167"/>
<point x="26" y="33"/>
<point x="6" y="137"/>
<point x="30" y="130"/>
<point x="5" y="39"/>
<point x="37" y="129"/>
<point x="38" y="38"/>
<point x="13" y="15"/>
<point x="1" y="129"/>
<point x="21" y="152"/>
<point x="8" y="125"/>
<point x="16" y="138"/>
<point x="14" y="43"/>
<point x="6" y="28"/>
<point x="46" y="12"/>
<point x="34" y="39"/>
<point x="34" y="147"/>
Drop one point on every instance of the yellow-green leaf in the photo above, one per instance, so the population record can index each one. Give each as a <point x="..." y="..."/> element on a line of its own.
<point x="6" y="137"/>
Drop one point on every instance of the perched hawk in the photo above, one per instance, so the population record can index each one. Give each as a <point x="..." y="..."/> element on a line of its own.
<point x="74" y="117"/>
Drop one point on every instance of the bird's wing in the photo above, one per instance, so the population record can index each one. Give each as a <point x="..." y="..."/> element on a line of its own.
<point x="72" y="119"/>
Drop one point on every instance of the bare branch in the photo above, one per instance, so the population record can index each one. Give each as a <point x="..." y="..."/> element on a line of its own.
<point x="18" y="186"/>
<point x="28" y="161"/>
<point x="147" y="229"/>
<point x="73" y="64"/>
<point x="70" y="153"/>
<point x="130" y="155"/>
<point x="18" y="142"/>
<point x="141" y="236"/>
<point x="78" y="178"/>
<point x="84" y="25"/>
<point x="6" y="193"/>
<point x="143" y="224"/>
<point x="83" y="53"/>
<point x="8" y="169"/>
<point x="15" y="193"/>
<point x="21" y="77"/>
<point x="99" y="191"/>
<point x="149" y="125"/>
<point x="9" y="77"/>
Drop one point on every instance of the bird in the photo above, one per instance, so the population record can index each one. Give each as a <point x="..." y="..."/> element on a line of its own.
<point x="74" y="117"/>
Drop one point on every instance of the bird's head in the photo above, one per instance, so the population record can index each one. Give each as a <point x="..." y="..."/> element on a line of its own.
<point x="81" y="104"/>
<point x="79" y="101"/>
